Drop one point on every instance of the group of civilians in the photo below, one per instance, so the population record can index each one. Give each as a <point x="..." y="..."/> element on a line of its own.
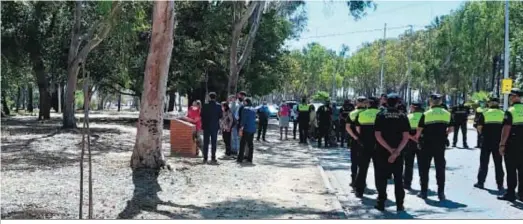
<point x="236" y="120"/>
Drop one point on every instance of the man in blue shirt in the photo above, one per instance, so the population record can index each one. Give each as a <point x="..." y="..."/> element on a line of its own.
<point x="263" y="121"/>
<point x="248" y="128"/>
<point x="211" y="114"/>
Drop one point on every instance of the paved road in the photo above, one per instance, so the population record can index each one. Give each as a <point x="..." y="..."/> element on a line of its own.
<point x="464" y="201"/>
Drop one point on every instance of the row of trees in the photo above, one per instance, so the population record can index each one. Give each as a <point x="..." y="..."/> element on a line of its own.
<point x="459" y="53"/>
<point x="47" y="43"/>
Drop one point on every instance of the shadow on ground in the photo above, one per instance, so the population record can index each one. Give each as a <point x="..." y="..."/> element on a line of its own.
<point x="145" y="199"/>
<point x="29" y="144"/>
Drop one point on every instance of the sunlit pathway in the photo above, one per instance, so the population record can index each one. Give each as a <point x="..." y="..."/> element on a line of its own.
<point x="463" y="200"/>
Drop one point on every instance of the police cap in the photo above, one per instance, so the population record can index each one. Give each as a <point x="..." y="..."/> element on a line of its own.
<point x="416" y="104"/>
<point x="516" y="91"/>
<point x="361" y="99"/>
<point x="435" y="96"/>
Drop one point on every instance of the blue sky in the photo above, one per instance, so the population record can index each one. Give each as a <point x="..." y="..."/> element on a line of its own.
<point x="330" y="25"/>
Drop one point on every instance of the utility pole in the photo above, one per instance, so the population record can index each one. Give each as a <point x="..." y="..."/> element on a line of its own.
<point x="383" y="57"/>
<point x="409" y="76"/>
<point x="507" y="53"/>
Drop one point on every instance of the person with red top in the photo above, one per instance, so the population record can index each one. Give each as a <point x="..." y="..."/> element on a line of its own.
<point x="193" y="115"/>
<point x="283" y="117"/>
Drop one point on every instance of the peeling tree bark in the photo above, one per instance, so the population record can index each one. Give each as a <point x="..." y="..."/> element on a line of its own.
<point x="77" y="56"/>
<point x="147" y="151"/>
<point x="235" y="64"/>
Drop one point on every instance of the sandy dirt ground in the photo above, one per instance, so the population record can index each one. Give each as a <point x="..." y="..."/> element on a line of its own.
<point x="40" y="177"/>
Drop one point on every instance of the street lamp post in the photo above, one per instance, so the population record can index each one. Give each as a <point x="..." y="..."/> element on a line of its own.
<point x="507" y="53"/>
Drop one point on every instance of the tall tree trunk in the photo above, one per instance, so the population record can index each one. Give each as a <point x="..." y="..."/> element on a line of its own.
<point x="235" y="64"/>
<point x="18" y="99"/>
<point x="95" y="35"/>
<point x="147" y="151"/>
<point x="24" y="98"/>
<point x="101" y="101"/>
<point x="43" y="87"/>
<point x="172" y="101"/>
<point x="119" y="102"/>
<point x="69" y="121"/>
<point x="5" y="107"/>
<point x="30" y="98"/>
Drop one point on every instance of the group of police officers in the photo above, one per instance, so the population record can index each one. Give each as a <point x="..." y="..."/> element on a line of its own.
<point x="382" y="131"/>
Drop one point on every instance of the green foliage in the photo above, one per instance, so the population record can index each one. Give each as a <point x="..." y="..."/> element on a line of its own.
<point x="320" y="96"/>
<point x="481" y="96"/>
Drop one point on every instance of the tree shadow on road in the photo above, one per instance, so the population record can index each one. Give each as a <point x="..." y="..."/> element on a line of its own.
<point x="145" y="198"/>
<point x="371" y="212"/>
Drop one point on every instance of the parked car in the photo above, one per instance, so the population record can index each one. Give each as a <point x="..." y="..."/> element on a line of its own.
<point x="273" y="110"/>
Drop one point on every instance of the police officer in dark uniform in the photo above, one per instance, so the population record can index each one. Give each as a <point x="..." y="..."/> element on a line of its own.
<point x="434" y="126"/>
<point x="490" y="123"/>
<point x="392" y="134"/>
<point x="324" y="123"/>
<point x="412" y="150"/>
<point x="511" y="144"/>
<point x="355" y="143"/>
<point x="344" y="114"/>
<point x="479" y="111"/>
<point x="460" y="114"/>
<point x="365" y="127"/>
<point x="303" y="120"/>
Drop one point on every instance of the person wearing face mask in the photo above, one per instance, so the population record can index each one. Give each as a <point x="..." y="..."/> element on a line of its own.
<point x="237" y="111"/>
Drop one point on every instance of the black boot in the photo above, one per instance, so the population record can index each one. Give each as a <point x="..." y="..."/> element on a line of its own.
<point x="441" y="196"/>
<point x="507" y="197"/>
<point x="380" y="206"/>
<point x="400" y="207"/>
<point x="423" y="194"/>
<point x="479" y="185"/>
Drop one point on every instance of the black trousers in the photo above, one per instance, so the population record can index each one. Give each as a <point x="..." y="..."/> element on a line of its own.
<point x="514" y="167"/>
<point x="354" y="158"/>
<point x="365" y="156"/>
<point x="463" y="127"/>
<point x="212" y="136"/>
<point x="246" y="140"/>
<point x="429" y="152"/>
<point x="304" y="131"/>
<point x="344" y="135"/>
<point x="486" y="151"/>
<point x="410" y="153"/>
<point x="227" y="141"/>
<point x="294" y="127"/>
<point x="383" y="169"/>
<point x="480" y="140"/>
<point x="337" y="129"/>
<point x="262" y="128"/>
<point x="323" y="133"/>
